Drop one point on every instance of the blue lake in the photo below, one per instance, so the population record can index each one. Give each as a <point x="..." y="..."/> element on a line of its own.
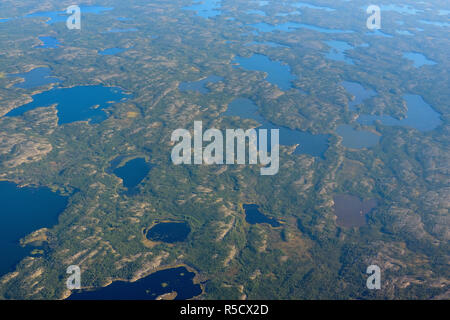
<point x="254" y="216"/>
<point x="420" y="116"/>
<point x="358" y="92"/>
<point x="34" y="78"/>
<point x="206" y="8"/>
<point x="337" y="51"/>
<point x="132" y="173"/>
<point x="418" y="59"/>
<point x="79" y="103"/>
<point x="277" y="72"/>
<point x="61" y="16"/>
<point x="169" y="232"/>
<point x="24" y="210"/>
<point x="178" y="280"/>
<point x="312" y="144"/>
<point x="357" y="139"/>
<point x="111" y="51"/>
<point x="200" y="85"/>
<point x="48" y="42"/>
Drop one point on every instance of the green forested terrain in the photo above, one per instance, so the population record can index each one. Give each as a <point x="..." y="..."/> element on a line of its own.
<point x="309" y="256"/>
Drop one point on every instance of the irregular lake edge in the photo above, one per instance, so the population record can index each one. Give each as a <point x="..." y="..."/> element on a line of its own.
<point x="17" y="241"/>
<point x="109" y="281"/>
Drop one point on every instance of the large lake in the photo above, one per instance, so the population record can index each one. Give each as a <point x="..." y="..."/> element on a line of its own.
<point x="169" y="232"/>
<point x="359" y="93"/>
<point x="357" y="139"/>
<point x="312" y="144"/>
<point x="178" y="280"/>
<point x="277" y="72"/>
<point x="254" y="216"/>
<point x="199" y="85"/>
<point x="48" y="43"/>
<point x="132" y="173"/>
<point x="420" y="116"/>
<point x="34" y="78"/>
<point x="351" y="211"/>
<point x="79" y="103"/>
<point x="23" y="211"/>
<point x="337" y="51"/>
<point x="418" y="59"/>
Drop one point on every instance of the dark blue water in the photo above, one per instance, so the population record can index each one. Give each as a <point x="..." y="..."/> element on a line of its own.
<point x="313" y="144"/>
<point x="254" y="216"/>
<point x="61" y="16"/>
<point x="111" y="51"/>
<point x="169" y="232"/>
<point x="132" y="173"/>
<point x="420" y="116"/>
<point x="179" y="280"/>
<point x="418" y="59"/>
<point x="357" y="139"/>
<point x="206" y="8"/>
<point x="337" y="51"/>
<point x="75" y="104"/>
<point x="277" y="72"/>
<point x="199" y="86"/>
<point x="48" y="42"/>
<point x="35" y="78"/>
<point x="24" y="210"/>
<point x="359" y="92"/>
